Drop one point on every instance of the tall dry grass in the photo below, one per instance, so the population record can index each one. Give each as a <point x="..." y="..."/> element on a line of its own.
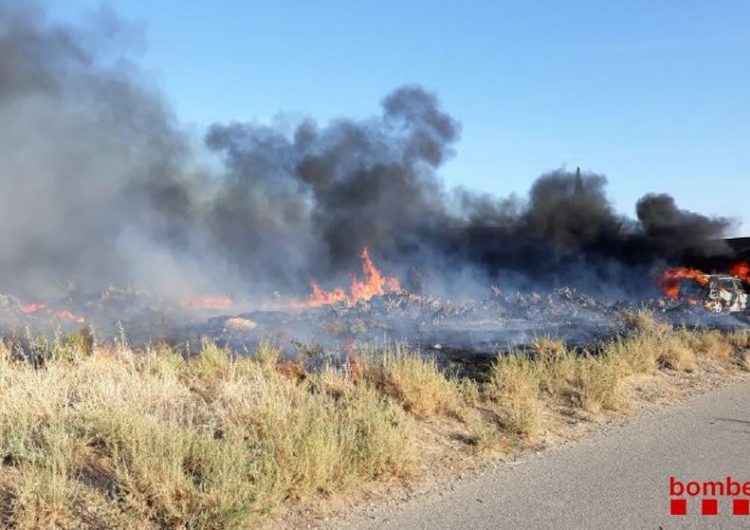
<point x="103" y="437"/>
<point x="514" y="391"/>
<point x="115" y="439"/>
<point x="415" y="382"/>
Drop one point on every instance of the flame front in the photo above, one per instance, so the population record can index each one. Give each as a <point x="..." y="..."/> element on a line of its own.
<point x="669" y="282"/>
<point x="374" y="283"/>
<point x="320" y="297"/>
<point x="63" y="314"/>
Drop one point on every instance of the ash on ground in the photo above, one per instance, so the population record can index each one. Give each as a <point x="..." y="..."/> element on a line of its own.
<point x="501" y="321"/>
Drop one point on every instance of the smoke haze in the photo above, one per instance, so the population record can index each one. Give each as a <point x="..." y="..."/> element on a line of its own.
<point x="101" y="187"/>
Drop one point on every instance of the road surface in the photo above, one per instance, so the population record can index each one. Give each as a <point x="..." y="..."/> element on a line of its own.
<point x="619" y="479"/>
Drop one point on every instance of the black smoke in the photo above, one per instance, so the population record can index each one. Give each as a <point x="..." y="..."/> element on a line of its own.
<point x="101" y="186"/>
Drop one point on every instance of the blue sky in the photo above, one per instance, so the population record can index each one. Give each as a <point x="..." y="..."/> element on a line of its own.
<point x="653" y="94"/>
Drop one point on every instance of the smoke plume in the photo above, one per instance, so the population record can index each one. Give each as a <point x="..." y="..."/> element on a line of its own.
<point x="101" y="187"/>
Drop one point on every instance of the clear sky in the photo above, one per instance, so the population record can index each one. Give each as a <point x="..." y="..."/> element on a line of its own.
<point x="655" y="94"/>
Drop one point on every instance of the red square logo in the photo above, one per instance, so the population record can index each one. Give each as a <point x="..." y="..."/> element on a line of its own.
<point x="709" y="507"/>
<point x="677" y="507"/>
<point x="741" y="507"/>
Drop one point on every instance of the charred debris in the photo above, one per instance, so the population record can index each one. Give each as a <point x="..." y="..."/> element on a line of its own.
<point x="335" y="325"/>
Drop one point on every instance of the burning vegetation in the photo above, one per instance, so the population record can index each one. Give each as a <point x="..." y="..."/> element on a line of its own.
<point x="373" y="283"/>
<point x="377" y="310"/>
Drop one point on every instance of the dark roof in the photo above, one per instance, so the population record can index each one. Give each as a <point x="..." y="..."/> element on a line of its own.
<point x="740" y="245"/>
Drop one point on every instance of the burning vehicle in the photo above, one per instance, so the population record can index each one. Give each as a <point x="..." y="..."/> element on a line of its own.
<point x="722" y="293"/>
<point x="718" y="293"/>
<point x="725" y="294"/>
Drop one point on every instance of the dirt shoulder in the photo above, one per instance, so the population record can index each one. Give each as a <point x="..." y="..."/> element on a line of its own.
<point x="448" y="462"/>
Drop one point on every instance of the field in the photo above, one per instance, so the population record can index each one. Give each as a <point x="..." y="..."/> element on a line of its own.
<point x="102" y="436"/>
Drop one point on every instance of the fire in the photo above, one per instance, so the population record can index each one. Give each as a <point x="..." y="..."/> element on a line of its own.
<point x="207" y="302"/>
<point x="67" y="314"/>
<point x="741" y="270"/>
<point x="374" y="283"/>
<point x="319" y="297"/>
<point x="63" y="314"/>
<point x="670" y="280"/>
<point x="30" y="309"/>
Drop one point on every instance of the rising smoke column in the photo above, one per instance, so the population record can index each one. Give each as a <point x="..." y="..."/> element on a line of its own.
<point x="90" y="159"/>
<point x="331" y="191"/>
<point x="101" y="186"/>
<point x="568" y="233"/>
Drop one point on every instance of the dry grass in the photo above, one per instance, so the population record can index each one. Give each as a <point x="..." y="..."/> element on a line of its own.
<point x="590" y="382"/>
<point x="416" y="383"/>
<point x="675" y="353"/>
<point x="116" y="440"/>
<point x="107" y="438"/>
<point x="644" y="321"/>
<point x="514" y="390"/>
<point x="600" y="384"/>
<point x="741" y="342"/>
<point x="711" y="344"/>
<point x="653" y="345"/>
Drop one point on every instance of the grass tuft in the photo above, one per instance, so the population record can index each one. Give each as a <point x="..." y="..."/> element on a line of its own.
<point x="417" y="383"/>
<point x="514" y="389"/>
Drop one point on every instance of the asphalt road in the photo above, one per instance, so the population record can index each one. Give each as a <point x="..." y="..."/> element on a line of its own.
<point x="619" y="479"/>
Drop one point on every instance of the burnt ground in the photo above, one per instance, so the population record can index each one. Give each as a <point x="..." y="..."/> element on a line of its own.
<point x="461" y="333"/>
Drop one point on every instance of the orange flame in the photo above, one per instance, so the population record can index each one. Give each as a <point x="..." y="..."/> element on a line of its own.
<point x="741" y="270"/>
<point x="64" y="314"/>
<point x="669" y="281"/>
<point x="30" y="309"/>
<point x="207" y="302"/>
<point x="373" y="284"/>
<point x="319" y="297"/>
